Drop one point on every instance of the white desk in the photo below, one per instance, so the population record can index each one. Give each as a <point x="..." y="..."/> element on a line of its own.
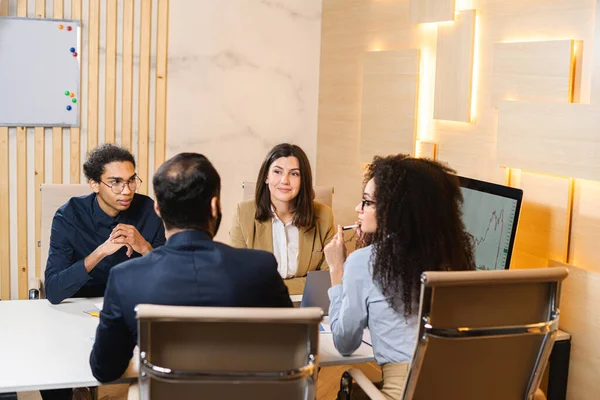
<point x="45" y="346"/>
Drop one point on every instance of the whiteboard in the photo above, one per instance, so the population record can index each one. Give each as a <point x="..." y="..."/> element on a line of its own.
<point x="39" y="72"/>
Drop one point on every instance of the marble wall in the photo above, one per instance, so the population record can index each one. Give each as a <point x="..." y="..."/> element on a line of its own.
<point x="243" y="76"/>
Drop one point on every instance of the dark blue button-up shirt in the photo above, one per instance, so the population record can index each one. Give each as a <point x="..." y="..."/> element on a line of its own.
<point x="78" y="228"/>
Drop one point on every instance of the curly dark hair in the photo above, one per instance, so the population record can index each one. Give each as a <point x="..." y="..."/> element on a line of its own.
<point x="419" y="225"/>
<point x="104" y="154"/>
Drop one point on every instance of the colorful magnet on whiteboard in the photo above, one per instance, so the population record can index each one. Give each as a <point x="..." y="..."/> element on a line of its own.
<point x="61" y="26"/>
<point x="67" y="93"/>
<point x="69" y="28"/>
<point x="72" y="94"/>
<point x="69" y="108"/>
<point x="74" y="54"/>
<point x="74" y="100"/>
<point x="72" y="49"/>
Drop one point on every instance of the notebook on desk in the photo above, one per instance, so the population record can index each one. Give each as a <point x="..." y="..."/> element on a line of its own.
<point x="315" y="290"/>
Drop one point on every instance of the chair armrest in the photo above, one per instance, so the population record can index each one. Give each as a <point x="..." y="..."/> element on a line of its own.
<point x="366" y="385"/>
<point x="134" y="392"/>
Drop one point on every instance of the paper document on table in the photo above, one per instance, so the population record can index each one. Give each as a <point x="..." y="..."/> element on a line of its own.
<point x="99" y="305"/>
<point x="324" y="328"/>
<point x="367" y="337"/>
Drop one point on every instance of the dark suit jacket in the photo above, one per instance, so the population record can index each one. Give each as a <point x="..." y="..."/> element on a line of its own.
<point x="189" y="270"/>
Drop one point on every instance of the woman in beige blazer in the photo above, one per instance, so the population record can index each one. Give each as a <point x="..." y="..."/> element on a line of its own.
<point x="284" y="219"/>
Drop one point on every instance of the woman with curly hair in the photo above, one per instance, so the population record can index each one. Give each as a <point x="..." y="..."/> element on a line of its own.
<point x="410" y="215"/>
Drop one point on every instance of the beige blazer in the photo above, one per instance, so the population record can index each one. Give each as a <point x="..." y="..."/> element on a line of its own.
<point x="247" y="232"/>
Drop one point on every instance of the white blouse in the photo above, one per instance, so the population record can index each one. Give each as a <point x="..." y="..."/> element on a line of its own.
<point x="285" y="247"/>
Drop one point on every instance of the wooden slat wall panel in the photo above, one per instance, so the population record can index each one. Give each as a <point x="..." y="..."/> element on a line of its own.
<point x="22" y="266"/>
<point x="454" y="68"/>
<point x="40" y="147"/>
<point x="4" y="202"/>
<point x="162" y="42"/>
<point x="127" y="78"/>
<point x="122" y="96"/>
<point x="4" y="216"/>
<point x="75" y="168"/>
<point x="93" y="72"/>
<point x="22" y="257"/>
<point x="144" y="92"/>
<point x="111" y="71"/>
<point x="57" y="143"/>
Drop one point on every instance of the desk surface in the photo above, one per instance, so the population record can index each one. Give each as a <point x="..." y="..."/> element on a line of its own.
<point x="45" y="346"/>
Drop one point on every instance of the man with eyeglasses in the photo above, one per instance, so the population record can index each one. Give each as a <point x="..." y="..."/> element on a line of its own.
<point x="93" y="233"/>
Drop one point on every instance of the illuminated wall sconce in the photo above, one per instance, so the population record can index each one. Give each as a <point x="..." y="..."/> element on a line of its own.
<point x="425" y="11"/>
<point x="424" y="149"/>
<point x="454" y="68"/>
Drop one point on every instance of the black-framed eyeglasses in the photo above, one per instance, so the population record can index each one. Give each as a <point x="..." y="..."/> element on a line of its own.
<point x="367" y="203"/>
<point x="118" y="186"/>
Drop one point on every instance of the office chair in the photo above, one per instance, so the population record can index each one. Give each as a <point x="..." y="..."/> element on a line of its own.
<point x="53" y="196"/>
<point x="482" y="334"/>
<point x="227" y="353"/>
<point x="323" y="194"/>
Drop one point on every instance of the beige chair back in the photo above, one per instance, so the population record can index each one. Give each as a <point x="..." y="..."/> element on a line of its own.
<point x="323" y="194"/>
<point x="54" y="196"/>
<point x="484" y="334"/>
<point x="227" y="353"/>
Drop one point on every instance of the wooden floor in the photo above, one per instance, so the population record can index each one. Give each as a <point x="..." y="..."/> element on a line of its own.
<point x="328" y="384"/>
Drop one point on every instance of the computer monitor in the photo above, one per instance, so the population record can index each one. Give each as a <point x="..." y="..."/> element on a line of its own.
<point x="490" y="213"/>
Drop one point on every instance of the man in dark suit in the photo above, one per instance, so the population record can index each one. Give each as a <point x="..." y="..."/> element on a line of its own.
<point x="190" y="269"/>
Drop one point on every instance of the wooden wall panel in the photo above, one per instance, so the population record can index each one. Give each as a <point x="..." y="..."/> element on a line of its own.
<point x="580" y="316"/>
<point x="351" y="27"/>
<point x="26" y="259"/>
<point x="22" y="258"/>
<point x="4" y="202"/>
<point x="533" y="71"/>
<point x="144" y="93"/>
<point x="162" y="43"/>
<point x="584" y="250"/>
<point x="426" y="149"/>
<point x="454" y="68"/>
<point x="57" y="131"/>
<point x="110" y="99"/>
<point x="551" y="138"/>
<point x="543" y="222"/>
<point x="422" y="11"/>
<point x="389" y="101"/>
<point x="127" y="74"/>
<point x="75" y="140"/>
<point x="93" y="72"/>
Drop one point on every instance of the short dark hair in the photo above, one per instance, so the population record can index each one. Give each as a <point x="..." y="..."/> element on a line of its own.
<point x="305" y="214"/>
<point x="184" y="186"/>
<point x="104" y="154"/>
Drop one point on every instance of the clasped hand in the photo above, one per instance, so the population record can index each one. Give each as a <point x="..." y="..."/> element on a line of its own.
<point x="128" y="235"/>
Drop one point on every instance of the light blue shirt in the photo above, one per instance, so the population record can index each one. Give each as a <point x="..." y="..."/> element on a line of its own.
<point x="358" y="303"/>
